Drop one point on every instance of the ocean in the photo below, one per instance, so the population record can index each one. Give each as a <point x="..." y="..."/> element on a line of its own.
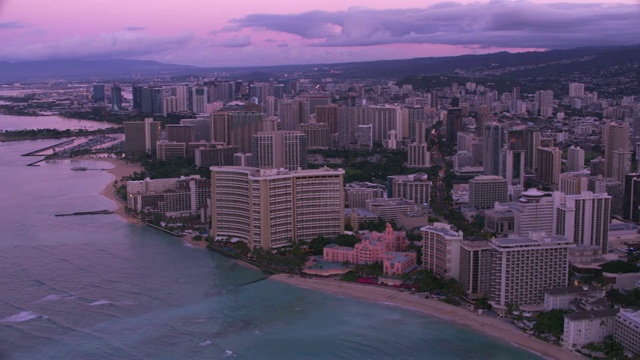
<point x="99" y="287"/>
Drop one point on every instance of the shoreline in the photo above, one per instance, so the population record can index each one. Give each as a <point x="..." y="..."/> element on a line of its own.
<point x="490" y="326"/>
<point x="493" y="327"/>
<point x="120" y="168"/>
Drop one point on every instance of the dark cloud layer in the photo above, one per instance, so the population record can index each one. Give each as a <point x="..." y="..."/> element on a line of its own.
<point x="510" y="24"/>
<point x="11" y="25"/>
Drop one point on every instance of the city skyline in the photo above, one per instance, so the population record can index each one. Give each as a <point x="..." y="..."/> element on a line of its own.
<point x="251" y="33"/>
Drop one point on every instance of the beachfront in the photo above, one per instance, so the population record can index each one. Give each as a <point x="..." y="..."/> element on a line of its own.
<point x="487" y="325"/>
<point x="484" y="324"/>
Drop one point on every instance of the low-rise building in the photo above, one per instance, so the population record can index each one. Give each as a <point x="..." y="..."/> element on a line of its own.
<point x="626" y="330"/>
<point x="561" y="298"/>
<point x="583" y="327"/>
<point x="389" y="208"/>
<point x="387" y="247"/>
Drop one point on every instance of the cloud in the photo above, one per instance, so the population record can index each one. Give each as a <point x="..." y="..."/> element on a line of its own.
<point x="134" y="28"/>
<point x="498" y="23"/>
<point x="121" y="45"/>
<point x="11" y="25"/>
<point x="238" y="41"/>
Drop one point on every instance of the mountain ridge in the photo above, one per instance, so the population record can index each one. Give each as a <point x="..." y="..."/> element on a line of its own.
<point x="515" y="64"/>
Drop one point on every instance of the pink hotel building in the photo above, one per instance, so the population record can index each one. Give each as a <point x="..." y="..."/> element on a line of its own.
<point x="384" y="247"/>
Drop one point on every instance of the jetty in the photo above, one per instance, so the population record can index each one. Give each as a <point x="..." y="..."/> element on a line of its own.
<point x="36" y="152"/>
<point x="99" y="212"/>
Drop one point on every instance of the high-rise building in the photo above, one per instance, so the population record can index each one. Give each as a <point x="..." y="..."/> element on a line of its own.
<point x="572" y="183"/>
<point x="414" y="187"/>
<point x="411" y="116"/>
<point x="292" y="112"/>
<point x="349" y="118"/>
<point x="523" y="268"/>
<point x="441" y="250"/>
<point x="116" y="98"/>
<point x="493" y="142"/>
<point x="475" y="267"/>
<point x="202" y="127"/>
<point x="140" y="137"/>
<point x="576" y="90"/>
<point x="549" y="165"/>
<point x="328" y="114"/>
<point x="575" y="159"/>
<point x="596" y="166"/>
<point x="317" y="100"/>
<point x="279" y="150"/>
<point x="150" y="101"/>
<point x="544" y="102"/>
<point x="584" y="218"/>
<point x="364" y="137"/>
<point x="418" y="156"/>
<point x="631" y="201"/>
<point x="235" y="128"/>
<point x="533" y="212"/>
<point x="532" y="143"/>
<point x="615" y="189"/>
<point x="486" y="190"/>
<point x="136" y="92"/>
<point x="512" y="166"/>
<point x="199" y="99"/>
<point x="621" y="165"/>
<point x="615" y="136"/>
<point x="454" y="124"/>
<point x="318" y="135"/>
<point x="273" y="208"/>
<point x="359" y="192"/>
<point x="180" y="133"/>
<point x="384" y="119"/>
<point x="221" y="91"/>
<point x="166" y="150"/>
<point x="215" y="155"/>
<point x="97" y="95"/>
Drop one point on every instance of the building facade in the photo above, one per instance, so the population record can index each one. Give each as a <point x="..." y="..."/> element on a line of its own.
<point x="270" y="208"/>
<point x="486" y="190"/>
<point x="523" y="268"/>
<point x="441" y="250"/>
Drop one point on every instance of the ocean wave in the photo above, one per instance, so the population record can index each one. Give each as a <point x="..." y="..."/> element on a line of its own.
<point x="22" y="316"/>
<point x="54" y="297"/>
<point x="205" y="343"/>
<point x="229" y="353"/>
<point x="100" y="302"/>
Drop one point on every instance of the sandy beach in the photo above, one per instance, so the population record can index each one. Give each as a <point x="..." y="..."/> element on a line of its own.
<point x="120" y="168"/>
<point x="487" y="325"/>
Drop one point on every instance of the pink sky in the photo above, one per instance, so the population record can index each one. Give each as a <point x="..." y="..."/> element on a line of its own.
<point x="257" y="32"/>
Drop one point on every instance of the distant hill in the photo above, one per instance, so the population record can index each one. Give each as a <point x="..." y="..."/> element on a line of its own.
<point x="501" y="64"/>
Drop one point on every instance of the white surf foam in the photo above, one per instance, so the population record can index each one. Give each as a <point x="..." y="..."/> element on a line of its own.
<point x="100" y="302"/>
<point x="229" y="353"/>
<point x="22" y="316"/>
<point x="205" y="343"/>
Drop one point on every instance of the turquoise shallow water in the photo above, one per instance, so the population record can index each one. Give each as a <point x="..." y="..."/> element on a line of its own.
<point x="97" y="287"/>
